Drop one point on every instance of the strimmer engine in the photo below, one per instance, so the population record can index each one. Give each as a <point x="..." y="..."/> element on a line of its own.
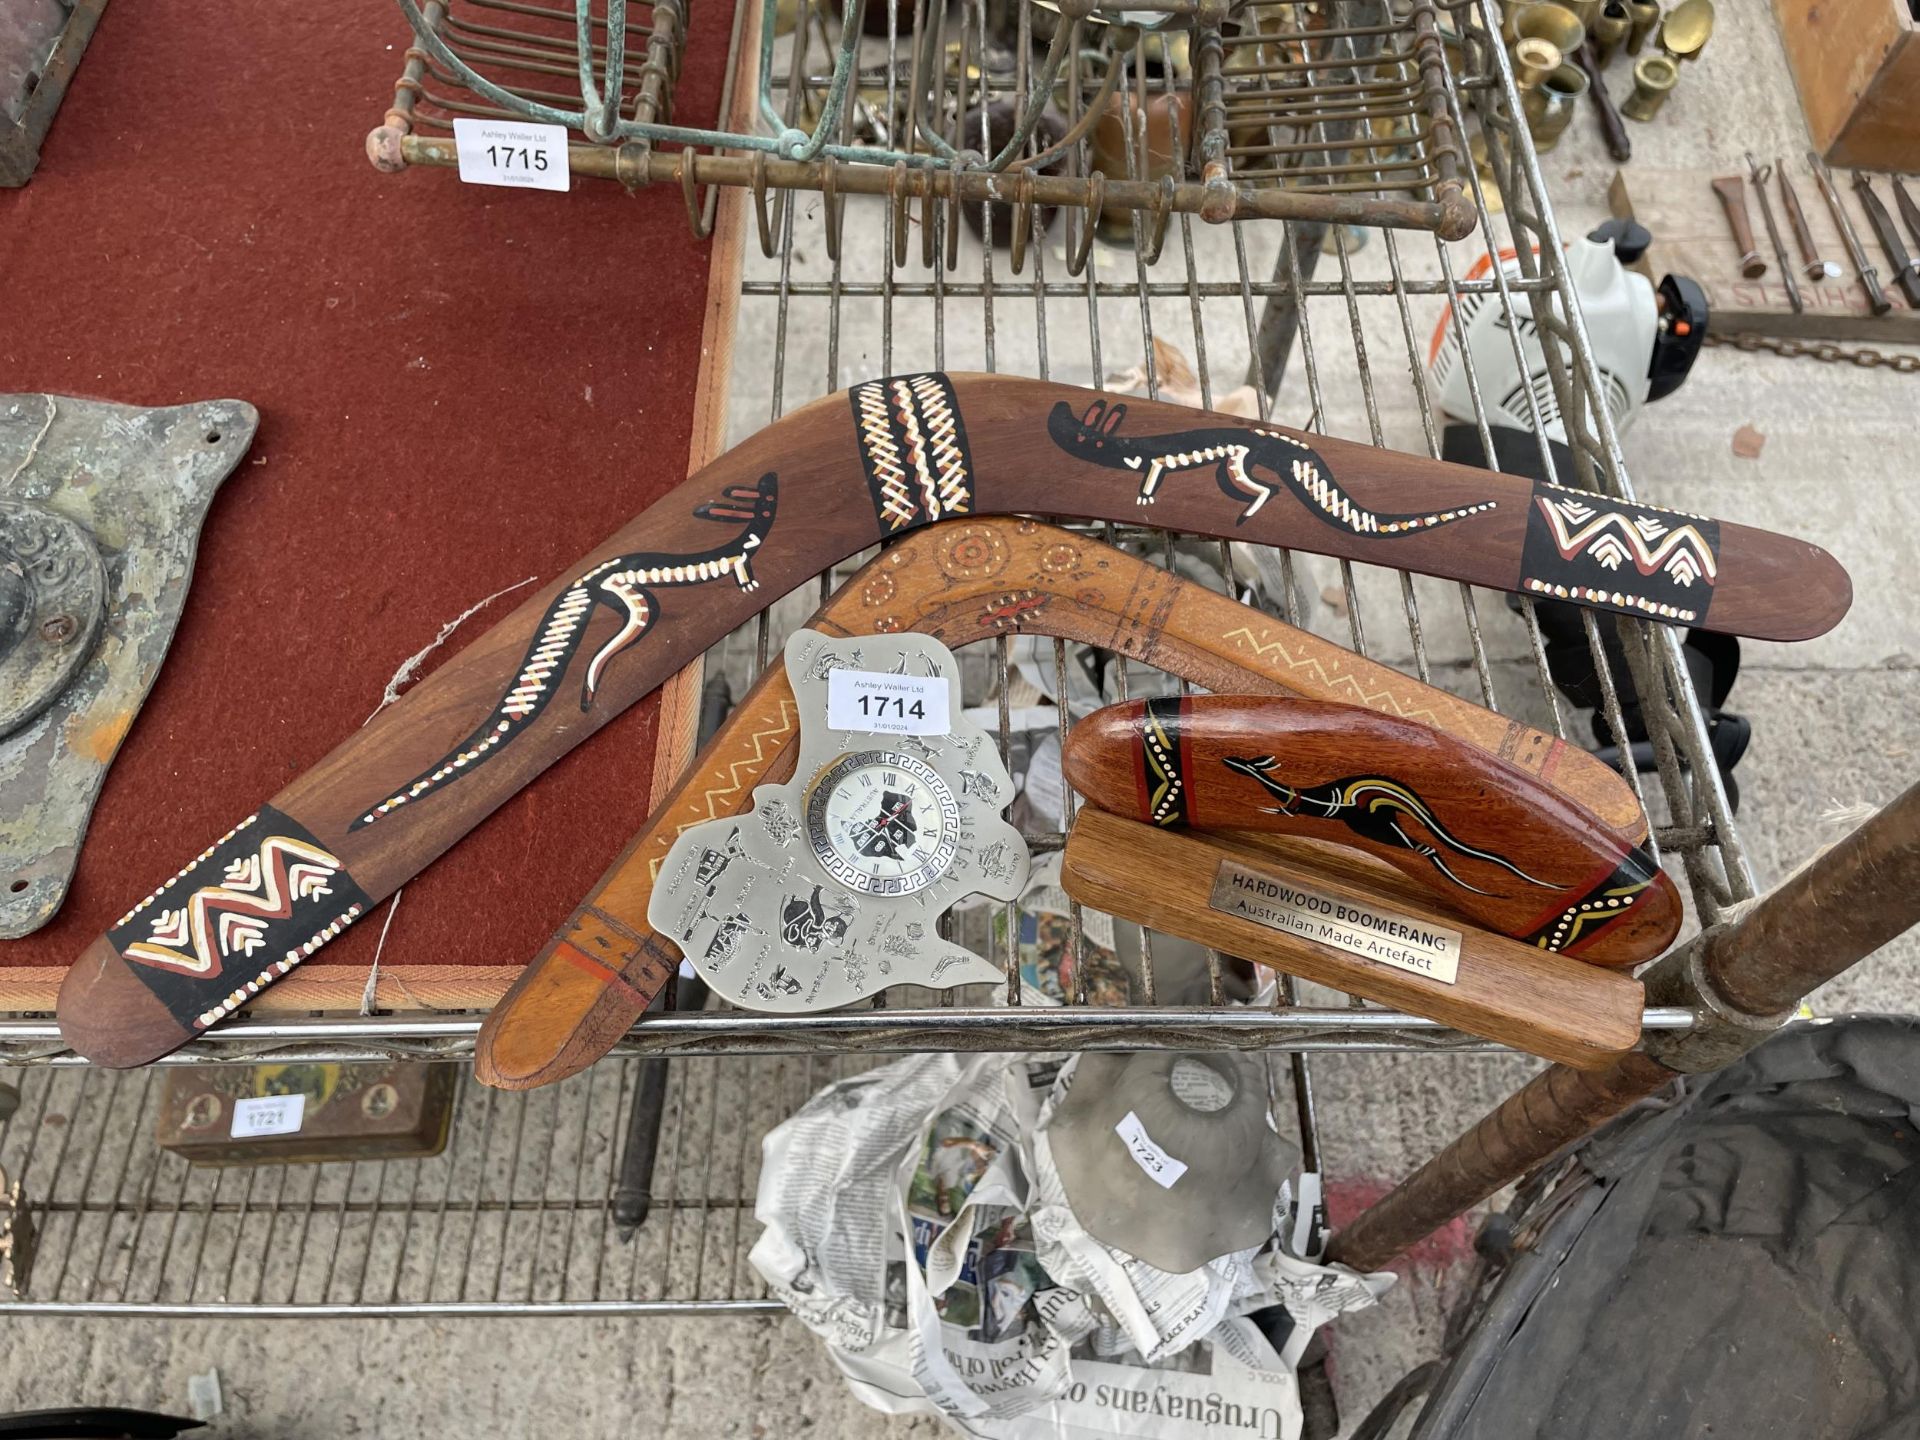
<point x="1644" y="337"/>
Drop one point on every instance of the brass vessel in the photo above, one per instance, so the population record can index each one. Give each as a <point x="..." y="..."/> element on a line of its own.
<point x="1643" y="17"/>
<point x="1687" y="27"/>
<point x="1653" y="77"/>
<point x="1533" y="60"/>
<point x="1549" y="107"/>
<point x="1546" y="20"/>
<point x="1609" y="31"/>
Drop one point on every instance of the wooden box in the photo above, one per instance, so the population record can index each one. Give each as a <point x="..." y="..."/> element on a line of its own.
<point x="258" y="1114"/>
<point x="1857" y="63"/>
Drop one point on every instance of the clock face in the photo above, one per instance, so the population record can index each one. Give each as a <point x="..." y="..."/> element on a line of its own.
<point x="883" y="823"/>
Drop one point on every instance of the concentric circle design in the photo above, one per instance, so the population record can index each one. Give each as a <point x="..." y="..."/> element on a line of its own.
<point x="974" y="553"/>
<point x="1060" y="557"/>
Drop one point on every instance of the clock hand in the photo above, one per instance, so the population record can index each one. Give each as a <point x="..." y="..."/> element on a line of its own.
<point x="878" y="826"/>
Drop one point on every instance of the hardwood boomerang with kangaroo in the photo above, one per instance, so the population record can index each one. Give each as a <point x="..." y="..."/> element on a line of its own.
<point x="906" y="452"/>
<point x="961" y="584"/>
<point x="1484" y="837"/>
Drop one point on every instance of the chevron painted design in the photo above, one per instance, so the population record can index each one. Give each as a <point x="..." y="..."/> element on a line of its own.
<point x="713" y="798"/>
<point x="1330" y="683"/>
<point x="260" y="899"/>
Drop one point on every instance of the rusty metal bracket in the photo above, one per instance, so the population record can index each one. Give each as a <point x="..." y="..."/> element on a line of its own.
<point x="100" y="513"/>
<point x="1721" y="1032"/>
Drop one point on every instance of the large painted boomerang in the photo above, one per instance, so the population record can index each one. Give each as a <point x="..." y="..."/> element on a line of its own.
<point x="784" y="506"/>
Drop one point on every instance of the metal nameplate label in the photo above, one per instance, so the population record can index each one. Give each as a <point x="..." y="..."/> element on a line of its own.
<point x="1417" y="946"/>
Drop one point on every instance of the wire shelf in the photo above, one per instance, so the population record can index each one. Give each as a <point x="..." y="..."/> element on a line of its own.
<point x="513" y="1216"/>
<point x="930" y="106"/>
<point x="1320" y="326"/>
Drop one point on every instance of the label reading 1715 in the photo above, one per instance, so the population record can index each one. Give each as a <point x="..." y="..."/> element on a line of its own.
<point x="869" y="703"/>
<point x="518" y="154"/>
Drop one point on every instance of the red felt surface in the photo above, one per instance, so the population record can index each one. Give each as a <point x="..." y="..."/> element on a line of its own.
<point x="459" y="387"/>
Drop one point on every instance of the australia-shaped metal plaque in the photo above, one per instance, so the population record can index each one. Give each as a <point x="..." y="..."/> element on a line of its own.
<point x="832" y="886"/>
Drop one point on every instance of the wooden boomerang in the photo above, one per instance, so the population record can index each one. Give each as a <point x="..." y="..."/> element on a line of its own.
<point x="960" y="584"/>
<point x="1227" y="890"/>
<point x="885" y="457"/>
<point x="1487" y="839"/>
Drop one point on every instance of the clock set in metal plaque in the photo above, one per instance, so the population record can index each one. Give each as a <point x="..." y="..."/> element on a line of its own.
<point x="832" y="887"/>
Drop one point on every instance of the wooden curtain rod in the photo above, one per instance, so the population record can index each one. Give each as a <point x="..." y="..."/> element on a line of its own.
<point x="885" y="457"/>
<point x="960" y="584"/>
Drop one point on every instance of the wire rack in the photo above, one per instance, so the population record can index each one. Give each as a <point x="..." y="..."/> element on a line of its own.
<point x="1323" y="327"/>
<point x="935" y="105"/>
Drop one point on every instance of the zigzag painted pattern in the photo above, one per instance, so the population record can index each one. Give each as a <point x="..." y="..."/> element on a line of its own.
<point x="943" y="435"/>
<point x="753" y="764"/>
<point x="229" y="919"/>
<point x="916" y="448"/>
<point x="1612" y="538"/>
<point x="1383" y="701"/>
<point x="918" y="472"/>
<point x="876" y="437"/>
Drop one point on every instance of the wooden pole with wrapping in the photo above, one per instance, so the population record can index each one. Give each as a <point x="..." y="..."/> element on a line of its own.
<point x="1742" y="980"/>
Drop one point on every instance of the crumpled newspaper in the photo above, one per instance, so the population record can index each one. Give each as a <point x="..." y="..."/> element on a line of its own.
<point x="913" y="1223"/>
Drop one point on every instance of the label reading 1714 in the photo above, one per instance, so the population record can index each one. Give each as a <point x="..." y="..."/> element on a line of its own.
<point x="868" y="703"/>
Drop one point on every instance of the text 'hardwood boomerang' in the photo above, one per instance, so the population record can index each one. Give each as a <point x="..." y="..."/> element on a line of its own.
<point x="1484" y="837"/>
<point x="774" y="512"/>
<point x="1318" y="913"/>
<point x="961" y="584"/>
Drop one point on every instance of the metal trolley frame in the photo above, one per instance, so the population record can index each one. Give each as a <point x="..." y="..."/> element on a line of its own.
<point x="513" y="1217"/>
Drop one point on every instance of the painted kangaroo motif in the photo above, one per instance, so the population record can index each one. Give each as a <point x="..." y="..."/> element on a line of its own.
<point x="1238" y="458"/>
<point x="1373" y="808"/>
<point x="625" y="585"/>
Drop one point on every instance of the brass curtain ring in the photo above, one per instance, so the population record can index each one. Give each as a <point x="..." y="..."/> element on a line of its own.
<point x="758" y="184"/>
<point x="1162" y="212"/>
<point x="700" y="226"/>
<point x="1022" y="219"/>
<point x="830" y="194"/>
<point x="897" y="198"/>
<point x="1096" y="198"/>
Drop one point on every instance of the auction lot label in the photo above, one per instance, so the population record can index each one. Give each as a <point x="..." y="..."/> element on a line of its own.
<point x="1402" y="941"/>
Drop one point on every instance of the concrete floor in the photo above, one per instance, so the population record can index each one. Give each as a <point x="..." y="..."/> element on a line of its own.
<point x="1834" y="728"/>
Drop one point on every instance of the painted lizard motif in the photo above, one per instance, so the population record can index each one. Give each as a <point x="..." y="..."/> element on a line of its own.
<point x="625" y="585"/>
<point x="1239" y="459"/>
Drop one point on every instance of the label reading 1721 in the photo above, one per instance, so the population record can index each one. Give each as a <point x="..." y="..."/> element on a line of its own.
<point x="869" y="703"/>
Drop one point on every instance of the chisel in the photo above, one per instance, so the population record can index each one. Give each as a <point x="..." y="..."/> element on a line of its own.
<point x="1817" y="267"/>
<point x="1761" y="174"/>
<point x="1909" y="211"/>
<point x="1906" y="270"/>
<point x="1869" y="277"/>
